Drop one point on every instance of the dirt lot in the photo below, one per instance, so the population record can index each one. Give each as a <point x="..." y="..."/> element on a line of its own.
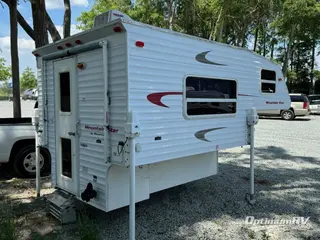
<point x="287" y="185"/>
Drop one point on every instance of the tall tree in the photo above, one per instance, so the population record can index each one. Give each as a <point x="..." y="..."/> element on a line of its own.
<point x="28" y="79"/>
<point x="67" y="19"/>
<point x="15" y="59"/>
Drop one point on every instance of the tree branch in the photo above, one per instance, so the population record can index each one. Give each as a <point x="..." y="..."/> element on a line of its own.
<point x="66" y="19"/>
<point x="55" y="35"/>
<point x="26" y="27"/>
<point x="23" y="23"/>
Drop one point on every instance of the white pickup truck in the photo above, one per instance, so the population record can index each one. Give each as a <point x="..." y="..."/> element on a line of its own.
<point x="17" y="147"/>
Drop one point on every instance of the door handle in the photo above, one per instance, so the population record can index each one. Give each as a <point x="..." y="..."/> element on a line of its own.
<point x="71" y="133"/>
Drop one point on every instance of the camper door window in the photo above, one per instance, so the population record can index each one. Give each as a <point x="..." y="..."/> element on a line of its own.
<point x="210" y="96"/>
<point x="268" y="81"/>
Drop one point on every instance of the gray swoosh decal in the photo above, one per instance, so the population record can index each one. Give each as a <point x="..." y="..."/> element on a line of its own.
<point x="201" y="57"/>
<point x="201" y="134"/>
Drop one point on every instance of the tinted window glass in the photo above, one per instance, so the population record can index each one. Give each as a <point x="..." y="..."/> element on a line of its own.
<point x="316" y="97"/>
<point x="207" y="108"/>
<point x="298" y="98"/>
<point x="268" y="75"/>
<point x="65" y="92"/>
<point x="197" y="87"/>
<point x="315" y="102"/>
<point x="268" y="87"/>
<point x="66" y="157"/>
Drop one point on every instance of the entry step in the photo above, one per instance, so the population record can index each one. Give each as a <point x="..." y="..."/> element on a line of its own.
<point x="62" y="206"/>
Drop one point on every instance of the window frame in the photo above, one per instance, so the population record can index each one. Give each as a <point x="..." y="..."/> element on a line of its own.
<point x="207" y="116"/>
<point x="268" y="81"/>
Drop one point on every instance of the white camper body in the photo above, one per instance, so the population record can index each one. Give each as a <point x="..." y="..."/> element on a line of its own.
<point x="124" y="93"/>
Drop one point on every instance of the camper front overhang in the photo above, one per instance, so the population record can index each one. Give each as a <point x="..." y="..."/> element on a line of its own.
<point x="83" y="41"/>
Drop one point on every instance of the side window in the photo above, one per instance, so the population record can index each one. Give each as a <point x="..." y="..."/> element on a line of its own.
<point x="209" y="96"/>
<point x="268" y="81"/>
<point x="65" y="105"/>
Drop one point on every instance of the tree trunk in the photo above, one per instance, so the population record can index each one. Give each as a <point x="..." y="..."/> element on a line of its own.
<point x="170" y="13"/>
<point x="256" y="35"/>
<point x="39" y="20"/>
<point x="311" y="87"/>
<point x="288" y="53"/>
<point x="66" y="19"/>
<point x="15" y="59"/>
<point x="272" y="50"/>
<point x="218" y="30"/>
<point x="264" y="39"/>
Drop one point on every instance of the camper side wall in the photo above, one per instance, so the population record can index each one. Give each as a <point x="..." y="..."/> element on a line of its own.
<point x="158" y="79"/>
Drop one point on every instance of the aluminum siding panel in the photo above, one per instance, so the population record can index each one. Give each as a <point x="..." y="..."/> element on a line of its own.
<point x="50" y="110"/>
<point x="93" y="167"/>
<point x="40" y="98"/>
<point x="161" y="66"/>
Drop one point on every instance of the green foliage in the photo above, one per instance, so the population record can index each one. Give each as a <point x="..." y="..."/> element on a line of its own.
<point x="7" y="223"/>
<point x="5" y="72"/>
<point x="5" y="89"/>
<point x="86" y="19"/>
<point x="88" y="230"/>
<point x="267" y="26"/>
<point x="28" y="79"/>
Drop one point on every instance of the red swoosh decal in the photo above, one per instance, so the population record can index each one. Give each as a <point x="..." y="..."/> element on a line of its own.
<point x="155" y="98"/>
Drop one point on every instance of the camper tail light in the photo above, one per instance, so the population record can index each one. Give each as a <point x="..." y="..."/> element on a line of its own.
<point x="80" y="65"/>
<point x="117" y="29"/>
<point x="78" y="41"/>
<point x="139" y="44"/>
<point x="68" y="44"/>
<point x="59" y="47"/>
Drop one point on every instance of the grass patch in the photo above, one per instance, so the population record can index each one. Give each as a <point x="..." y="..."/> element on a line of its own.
<point x="88" y="230"/>
<point x="8" y="229"/>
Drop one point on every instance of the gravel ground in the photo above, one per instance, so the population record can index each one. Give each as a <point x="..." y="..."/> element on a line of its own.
<point x="287" y="186"/>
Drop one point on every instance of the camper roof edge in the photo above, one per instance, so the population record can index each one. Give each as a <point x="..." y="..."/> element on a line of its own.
<point x="125" y="19"/>
<point x="36" y="52"/>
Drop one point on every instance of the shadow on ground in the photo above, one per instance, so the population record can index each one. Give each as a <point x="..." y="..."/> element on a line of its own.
<point x="177" y="212"/>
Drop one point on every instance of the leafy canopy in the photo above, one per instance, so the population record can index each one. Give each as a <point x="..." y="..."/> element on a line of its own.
<point x="28" y="79"/>
<point x="5" y="71"/>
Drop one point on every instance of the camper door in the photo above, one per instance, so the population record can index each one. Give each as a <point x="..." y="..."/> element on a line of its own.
<point x="66" y="132"/>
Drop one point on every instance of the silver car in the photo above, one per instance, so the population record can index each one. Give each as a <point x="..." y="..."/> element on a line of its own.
<point x="314" y="103"/>
<point x="300" y="107"/>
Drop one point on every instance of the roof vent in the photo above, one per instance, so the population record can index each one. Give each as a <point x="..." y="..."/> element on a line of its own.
<point x="109" y="16"/>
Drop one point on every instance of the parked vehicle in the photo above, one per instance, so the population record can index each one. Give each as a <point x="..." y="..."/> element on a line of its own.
<point x="299" y="108"/>
<point x="189" y="98"/>
<point x="314" y="103"/>
<point x="27" y="94"/>
<point x="17" y="147"/>
<point x="31" y="94"/>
